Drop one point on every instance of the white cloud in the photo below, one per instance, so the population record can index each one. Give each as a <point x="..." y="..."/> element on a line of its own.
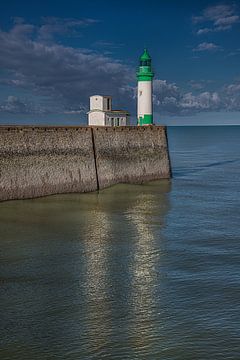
<point x="64" y="75"/>
<point x="102" y="44"/>
<point x="15" y="105"/>
<point x="216" y="11"/>
<point x="220" y="17"/>
<point x="170" y="99"/>
<point x="233" y="89"/>
<point x="52" y="26"/>
<point x="205" y="46"/>
<point x="201" y="102"/>
<point x="215" y="29"/>
<point x="229" y="20"/>
<point x="203" y="31"/>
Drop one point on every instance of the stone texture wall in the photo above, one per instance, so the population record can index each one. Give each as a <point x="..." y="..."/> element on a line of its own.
<point x="38" y="161"/>
<point x="131" y="154"/>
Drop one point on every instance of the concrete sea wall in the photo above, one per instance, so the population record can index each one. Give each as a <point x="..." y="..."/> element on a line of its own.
<point x="38" y="161"/>
<point x="131" y="154"/>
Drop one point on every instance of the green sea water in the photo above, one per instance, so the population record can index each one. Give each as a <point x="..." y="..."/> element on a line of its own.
<point x="133" y="272"/>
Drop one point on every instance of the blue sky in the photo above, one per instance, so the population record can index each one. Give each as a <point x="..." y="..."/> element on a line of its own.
<point x="54" y="55"/>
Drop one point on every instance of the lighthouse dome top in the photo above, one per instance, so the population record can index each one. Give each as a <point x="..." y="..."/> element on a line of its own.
<point x="145" y="56"/>
<point x="144" y="71"/>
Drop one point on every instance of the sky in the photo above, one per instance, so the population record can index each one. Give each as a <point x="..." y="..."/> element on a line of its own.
<point x="55" y="54"/>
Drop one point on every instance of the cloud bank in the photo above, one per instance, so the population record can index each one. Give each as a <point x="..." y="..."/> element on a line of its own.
<point x="64" y="75"/>
<point x="170" y="99"/>
<point x="60" y="79"/>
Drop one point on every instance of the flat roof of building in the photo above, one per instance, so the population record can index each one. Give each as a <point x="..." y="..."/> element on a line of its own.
<point x="122" y="111"/>
<point x="110" y="111"/>
<point x="108" y="96"/>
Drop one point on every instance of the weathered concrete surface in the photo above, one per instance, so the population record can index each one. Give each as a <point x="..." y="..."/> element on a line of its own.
<point x="38" y="161"/>
<point x="131" y="154"/>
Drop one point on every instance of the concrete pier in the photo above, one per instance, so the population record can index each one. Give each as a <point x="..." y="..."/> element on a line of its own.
<point x="42" y="160"/>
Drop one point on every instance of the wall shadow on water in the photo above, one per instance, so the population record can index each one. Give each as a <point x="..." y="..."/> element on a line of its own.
<point x="81" y="273"/>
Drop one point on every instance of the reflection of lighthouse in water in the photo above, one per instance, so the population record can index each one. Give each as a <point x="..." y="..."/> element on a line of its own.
<point x="147" y="217"/>
<point x="144" y="78"/>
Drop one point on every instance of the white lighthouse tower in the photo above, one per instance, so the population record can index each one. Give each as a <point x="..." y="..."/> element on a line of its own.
<point x="145" y="78"/>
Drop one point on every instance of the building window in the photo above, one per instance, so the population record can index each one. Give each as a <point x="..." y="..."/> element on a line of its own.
<point x="108" y="104"/>
<point x="116" y="122"/>
<point x="145" y="63"/>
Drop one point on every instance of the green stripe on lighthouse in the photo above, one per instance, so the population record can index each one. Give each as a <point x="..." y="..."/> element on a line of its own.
<point x="145" y="120"/>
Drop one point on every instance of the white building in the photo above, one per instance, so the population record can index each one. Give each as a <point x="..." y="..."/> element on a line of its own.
<point x="101" y="113"/>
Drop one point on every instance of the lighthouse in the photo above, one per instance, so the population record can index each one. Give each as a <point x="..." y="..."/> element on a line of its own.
<point x="144" y="99"/>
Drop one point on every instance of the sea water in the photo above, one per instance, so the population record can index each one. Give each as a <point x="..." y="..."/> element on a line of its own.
<point x="133" y="272"/>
